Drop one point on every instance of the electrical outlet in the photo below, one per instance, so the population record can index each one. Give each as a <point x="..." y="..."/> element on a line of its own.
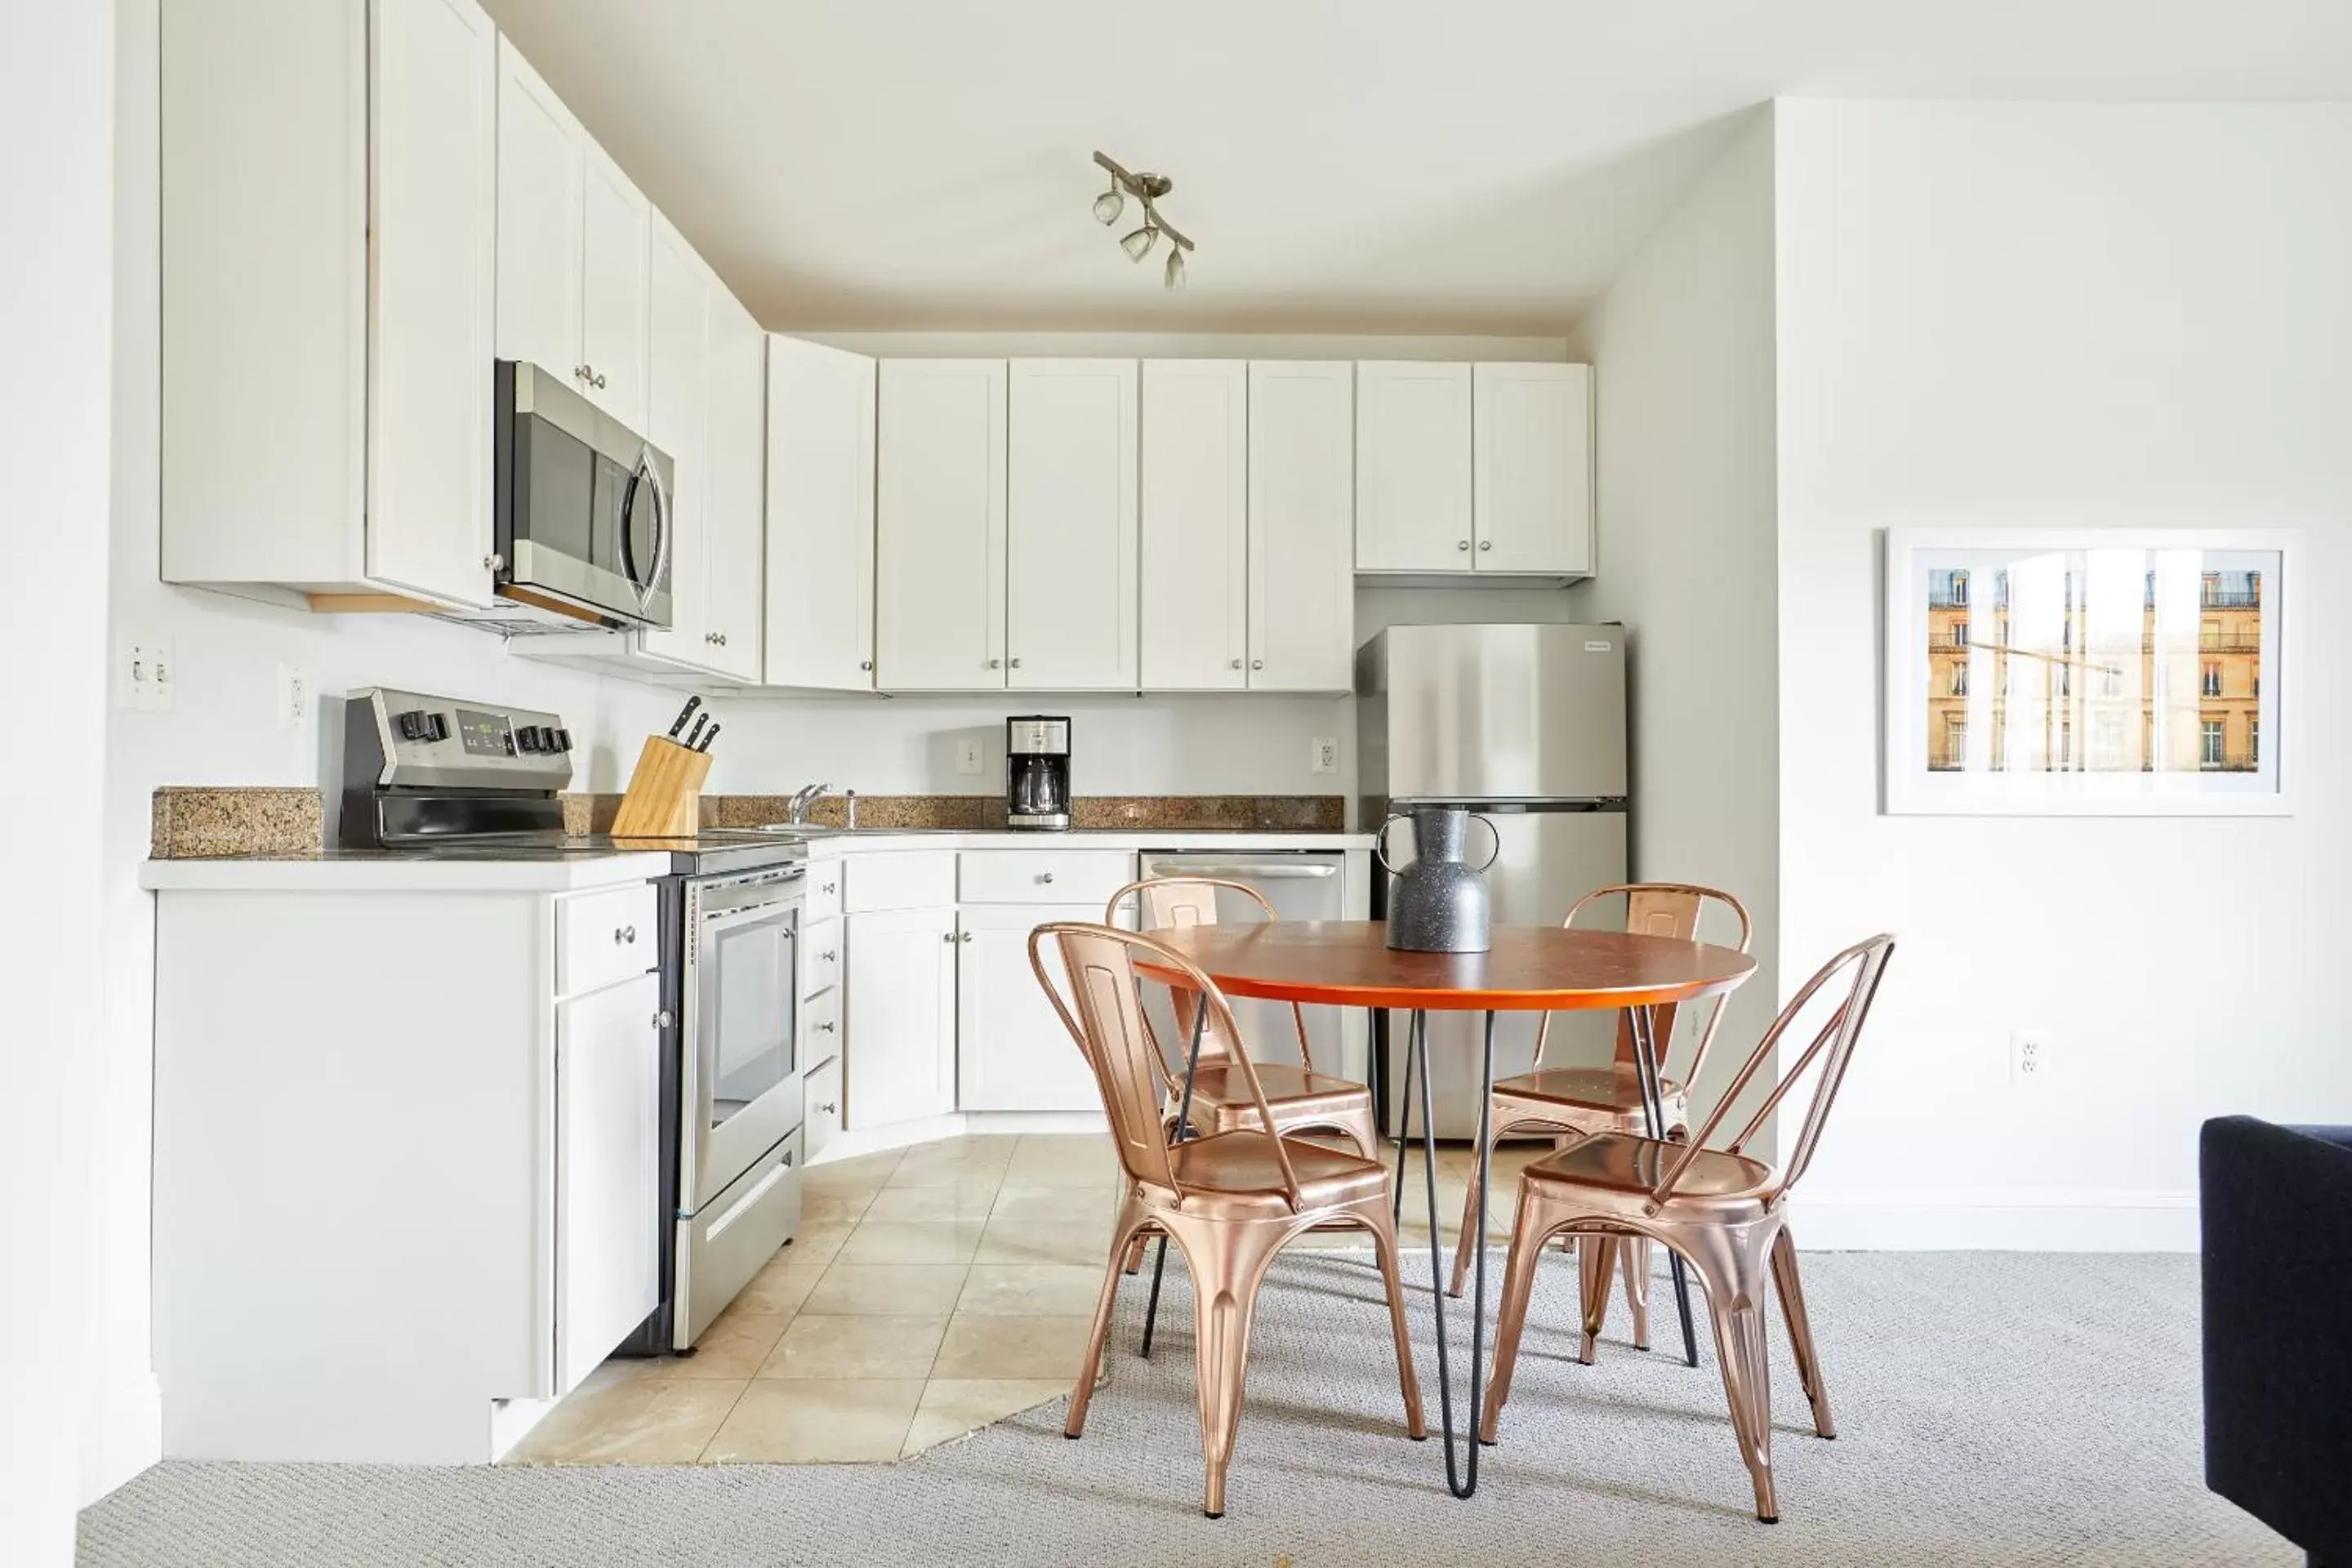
<point x="1323" y="754"/>
<point x="2029" y="1056"/>
<point x="293" y="697"/>
<point x="143" y="673"/>
<point x="968" y="756"/>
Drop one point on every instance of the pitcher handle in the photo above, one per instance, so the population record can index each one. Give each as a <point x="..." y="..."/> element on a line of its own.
<point x="1493" y="832"/>
<point x="1380" y="841"/>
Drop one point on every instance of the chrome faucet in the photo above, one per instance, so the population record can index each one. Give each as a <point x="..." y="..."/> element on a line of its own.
<point x="797" y="812"/>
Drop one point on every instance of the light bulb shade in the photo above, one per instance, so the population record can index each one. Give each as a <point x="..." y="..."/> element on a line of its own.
<point x="1175" y="278"/>
<point x="1109" y="206"/>
<point x="1139" y="245"/>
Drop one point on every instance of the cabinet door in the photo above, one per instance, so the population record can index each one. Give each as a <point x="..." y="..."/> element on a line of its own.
<point x="1070" y="517"/>
<point x="542" y="162"/>
<point x="677" y="421"/>
<point x="1302" y="592"/>
<point x="820" y="628"/>
<point x="899" y="1045"/>
<point x="939" y="526"/>
<point x="433" y="297"/>
<point x="615" y="219"/>
<point x="1194" y="476"/>
<point x="607" y="1164"/>
<point x="1012" y="1051"/>
<point x="735" y="505"/>
<point x="1533" y="467"/>
<point x="1412" y="467"/>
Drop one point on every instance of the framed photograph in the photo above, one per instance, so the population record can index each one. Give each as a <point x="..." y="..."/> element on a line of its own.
<point x="2093" y="672"/>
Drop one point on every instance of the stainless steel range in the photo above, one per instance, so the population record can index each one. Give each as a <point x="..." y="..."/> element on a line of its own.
<point x="435" y="776"/>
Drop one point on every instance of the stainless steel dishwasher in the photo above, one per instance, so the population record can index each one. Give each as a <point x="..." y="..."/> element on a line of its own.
<point x="1301" y="885"/>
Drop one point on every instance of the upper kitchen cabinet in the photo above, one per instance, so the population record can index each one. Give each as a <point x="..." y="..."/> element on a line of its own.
<point x="573" y="257"/>
<point x="735" y="507"/>
<point x="329" y="187"/>
<point x="940" y="525"/>
<point x="677" y="420"/>
<point x="1531" y="469"/>
<point x="1302" y="504"/>
<point x="1195" y="477"/>
<point x="1412" y="467"/>
<point x="819" y="523"/>
<point x="1070" y="473"/>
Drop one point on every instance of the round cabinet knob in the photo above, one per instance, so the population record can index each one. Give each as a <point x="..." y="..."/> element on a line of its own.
<point x="624" y="934"/>
<point x="826" y="1026"/>
<point x="829" y="957"/>
<point x="1463" y="545"/>
<point x="1485" y="544"/>
<point x="600" y="381"/>
<point x="830" y="1108"/>
<point x="662" y="1019"/>
<point x="582" y="372"/>
<point x="997" y="664"/>
<point x="1016" y="664"/>
<point x="1237" y="664"/>
<point x="865" y="664"/>
<point x="494" y="562"/>
<point x="1257" y="664"/>
<point x="965" y="937"/>
<point x="949" y="938"/>
<point x="828" y="887"/>
<point x="1044" y="876"/>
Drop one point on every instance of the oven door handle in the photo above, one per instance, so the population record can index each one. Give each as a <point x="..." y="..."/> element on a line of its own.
<point x="1275" y="872"/>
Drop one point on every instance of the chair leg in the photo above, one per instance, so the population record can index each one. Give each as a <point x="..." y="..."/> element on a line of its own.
<point x="1800" y="1332"/>
<point x="1597" y="1253"/>
<point x="1130" y="1225"/>
<point x="1227" y="1260"/>
<point x="1377" y="1219"/>
<point x="1635" y="1253"/>
<point x="1466" y="1240"/>
<point x="1518" y="1288"/>
<point x="1732" y="1266"/>
<point x="1133" y="1262"/>
<point x="1363" y="1132"/>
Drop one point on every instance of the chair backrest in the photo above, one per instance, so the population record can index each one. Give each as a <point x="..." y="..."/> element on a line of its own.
<point x="1862" y="965"/>
<point x="1172" y="903"/>
<point x="1669" y="909"/>
<point x="1099" y="962"/>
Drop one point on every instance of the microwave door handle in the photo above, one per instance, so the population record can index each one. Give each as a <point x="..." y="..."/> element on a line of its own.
<point x="652" y="476"/>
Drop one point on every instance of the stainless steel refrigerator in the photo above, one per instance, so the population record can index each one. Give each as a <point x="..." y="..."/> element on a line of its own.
<point x="1525" y="726"/>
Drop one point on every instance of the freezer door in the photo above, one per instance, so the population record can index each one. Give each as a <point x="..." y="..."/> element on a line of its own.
<point x="1546" y="860"/>
<point x="1494" y="712"/>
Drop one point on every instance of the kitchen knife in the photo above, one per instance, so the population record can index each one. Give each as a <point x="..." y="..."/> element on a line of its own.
<point x="711" y="735"/>
<point x="696" y="733"/>
<point x="683" y="715"/>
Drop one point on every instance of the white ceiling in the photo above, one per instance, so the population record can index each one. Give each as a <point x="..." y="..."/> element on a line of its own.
<point x="1399" y="165"/>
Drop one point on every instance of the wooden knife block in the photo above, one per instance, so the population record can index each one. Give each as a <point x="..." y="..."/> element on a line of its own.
<point x="665" y="798"/>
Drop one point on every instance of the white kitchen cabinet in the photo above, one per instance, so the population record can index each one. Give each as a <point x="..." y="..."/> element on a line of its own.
<point x="1532" y="469"/>
<point x="607" y="1162"/>
<point x="735" y="505"/>
<point x="1070" y="511"/>
<point x="1302" y="506"/>
<point x="1013" y="1052"/>
<point x="615" y="290"/>
<point x="820" y="1107"/>
<point x="939" y="527"/>
<point x="898" y="1061"/>
<point x="1412" y="467"/>
<point x="1194" y="477"/>
<point x="328" y="217"/>
<point x="820" y="518"/>
<point x="677" y="420"/>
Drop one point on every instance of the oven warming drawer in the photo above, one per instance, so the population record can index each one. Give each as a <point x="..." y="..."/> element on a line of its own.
<point x="731" y="1237"/>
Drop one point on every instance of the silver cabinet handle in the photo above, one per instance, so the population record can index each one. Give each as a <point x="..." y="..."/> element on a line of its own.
<point x="828" y="887"/>
<point x="831" y="1108"/>
<point x="1237" y="664"/>
<point x="997" y="664"/>
<point x="965" y="937"/>
<point x="582" y="372"/>
<point x="662" y="1019"/>
<point x="624" y="934"/>
<point x="494" y="562"/>
<point x="1044" y="876"/>
<point x="1016" y="664"/>
<point x="949" y="938"/>
<point x="827" y="1027"/>
<point x="1463" y="545"/>
<point x="600" y="381"/>
<point x="1257" y="664"/>
<point x="1485" y="544"/>
<point x="829" y="957"/>
<point x="865" y="664"/>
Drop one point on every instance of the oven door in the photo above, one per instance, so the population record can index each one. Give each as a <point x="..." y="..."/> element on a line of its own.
<point x="741" y="1092"/>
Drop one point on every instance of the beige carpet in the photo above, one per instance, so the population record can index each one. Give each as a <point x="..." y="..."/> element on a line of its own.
<point x="1993" y="1407"/>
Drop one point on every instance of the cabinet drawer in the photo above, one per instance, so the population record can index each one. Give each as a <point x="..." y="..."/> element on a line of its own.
<point x="820" y="1027"/>
<point x="820" y="957"/>
<point x="1044" y="876"/>
<point x="909" y="881"/>
<point x="821" y="1092"/>
<point x="822" y="901"/>
<point x="604" y="936"/>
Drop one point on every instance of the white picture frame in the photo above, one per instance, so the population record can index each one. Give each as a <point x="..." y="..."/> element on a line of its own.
<point x="2088" y="672"/>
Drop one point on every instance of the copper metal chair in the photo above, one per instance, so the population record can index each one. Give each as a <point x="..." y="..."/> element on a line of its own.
<point x="1722" y="1210"/>
<point x="1230" y="1200"/>
<point x="1572" y="1102"/>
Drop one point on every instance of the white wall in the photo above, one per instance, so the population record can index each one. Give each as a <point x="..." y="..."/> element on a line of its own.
<point x="2028" y="315"/>
<point x="56" y="133"/>
<point x="1683" y="366"/>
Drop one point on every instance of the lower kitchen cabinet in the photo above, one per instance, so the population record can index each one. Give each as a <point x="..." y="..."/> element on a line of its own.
<point x="820" y="1108"/>
<point x="1011" y="1052"/>
<point x="607" y="1159"/>
<point x="900" y="1063"/>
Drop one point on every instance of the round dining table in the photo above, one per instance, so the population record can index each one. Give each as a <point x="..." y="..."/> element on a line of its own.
<point x="1542" y="969"/>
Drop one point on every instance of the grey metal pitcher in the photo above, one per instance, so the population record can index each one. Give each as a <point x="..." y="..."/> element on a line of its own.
<point x="1439" y="901"/>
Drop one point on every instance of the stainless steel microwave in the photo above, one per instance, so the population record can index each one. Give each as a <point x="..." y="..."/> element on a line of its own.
<point x="583" y="510"/>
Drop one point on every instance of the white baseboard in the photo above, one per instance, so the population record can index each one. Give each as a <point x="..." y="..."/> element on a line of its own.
<point x="125" y="1437"/>
<point x="2015" y="1219"/>
<point x="931" y="1129"/>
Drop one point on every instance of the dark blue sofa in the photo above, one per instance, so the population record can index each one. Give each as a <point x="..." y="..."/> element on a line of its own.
<point x="2277" y="1213"/>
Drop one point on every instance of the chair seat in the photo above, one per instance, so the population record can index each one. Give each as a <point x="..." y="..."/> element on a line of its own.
<point x="1615" y="1087"/>
<point x="1240" y="1165"/>
<point x="1222" y="1083"/>
<point x="1621" y="1161"/>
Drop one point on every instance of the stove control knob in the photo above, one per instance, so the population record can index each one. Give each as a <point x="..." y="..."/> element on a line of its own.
<point x="412" y="724"/>
<point x="559" y="740"/>
<point x="527" y="739"/>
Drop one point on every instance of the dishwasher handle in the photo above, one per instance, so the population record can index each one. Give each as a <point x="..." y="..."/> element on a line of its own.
<point x="1254" y="871"/>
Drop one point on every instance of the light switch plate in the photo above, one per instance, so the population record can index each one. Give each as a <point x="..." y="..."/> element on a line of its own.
<point x="968" y="755"/>
<point x="145" y="673"/>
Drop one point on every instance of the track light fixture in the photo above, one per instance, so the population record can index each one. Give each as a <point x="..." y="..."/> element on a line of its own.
<point x="1147" y="190"/>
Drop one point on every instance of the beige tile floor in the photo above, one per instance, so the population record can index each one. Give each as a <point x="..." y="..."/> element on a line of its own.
<point x="930" y="1291"/>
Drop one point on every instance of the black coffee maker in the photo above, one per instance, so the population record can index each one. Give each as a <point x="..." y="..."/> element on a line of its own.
<point x="1037" y="773"/>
